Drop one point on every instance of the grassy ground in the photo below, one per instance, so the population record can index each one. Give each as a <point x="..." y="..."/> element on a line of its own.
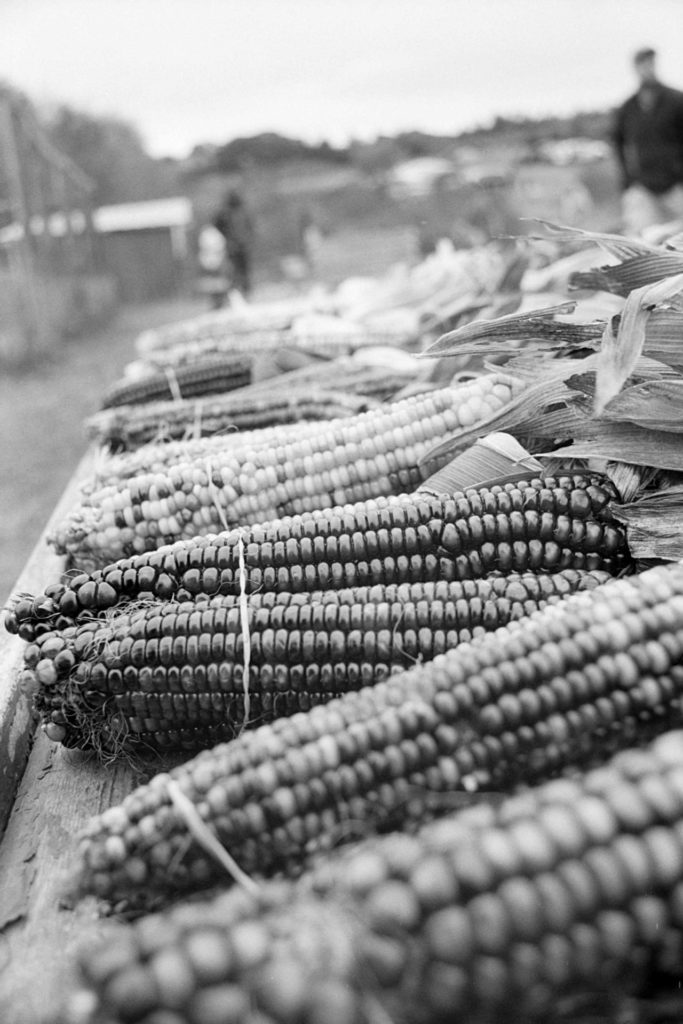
<point x="41" y="423"/>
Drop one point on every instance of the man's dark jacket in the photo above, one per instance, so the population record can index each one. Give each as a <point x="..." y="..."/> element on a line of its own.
<point x="649" y="142"/>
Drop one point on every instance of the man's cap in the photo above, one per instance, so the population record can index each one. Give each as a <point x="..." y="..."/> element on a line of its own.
<point x="643" y="54"/>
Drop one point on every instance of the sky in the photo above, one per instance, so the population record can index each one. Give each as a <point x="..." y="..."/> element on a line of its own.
<point x="187" y="72"/>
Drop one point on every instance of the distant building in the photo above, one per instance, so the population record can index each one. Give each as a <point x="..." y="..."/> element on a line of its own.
<point x="145" y="246"/>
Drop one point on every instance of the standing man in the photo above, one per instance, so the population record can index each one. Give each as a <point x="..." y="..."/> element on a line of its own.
<point x="235" y="225"/>
<point x="648" y="136"/>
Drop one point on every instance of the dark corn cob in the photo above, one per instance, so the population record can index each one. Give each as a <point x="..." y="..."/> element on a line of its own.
<point x="210" y="375"/>
<point x="379" y="452"/>
<point x="538" y="525"/>
<point x="572" y="890"/>
<point x="326" y="390"/>
<point x="564" y="687"/>
<point x="172" y="674"/>
<point x="128" y="427"/>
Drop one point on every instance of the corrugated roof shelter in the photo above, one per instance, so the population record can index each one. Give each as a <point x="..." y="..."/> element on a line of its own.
<point x="145" y="245"/>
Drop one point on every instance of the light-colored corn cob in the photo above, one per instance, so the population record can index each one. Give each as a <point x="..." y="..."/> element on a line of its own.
<point x="171" y="675"/>
<point x="375" y="453"/>
<point x="538" y="525"/>
<point x="129" y="427"/>
<point x="326" y="389"/>
<point x="180" y="344"/>
<point x="564" y="687"/>
<point x="572" y="891"/>
<point x="160" y="457"/>
<point x="208" y="376"/>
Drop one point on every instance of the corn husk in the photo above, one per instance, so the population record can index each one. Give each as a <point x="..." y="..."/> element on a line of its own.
<point x="653" y="525"/>
<point x="535" y="328"/>
<point x="621" y="349"/>
<point x="657" y="405"/>
<point x="623" y="442"/>
<point x="492" y="459"/>
<point x="616" y="245"/>
<point x="624" y="278"/>
<point x="630" y="480"/>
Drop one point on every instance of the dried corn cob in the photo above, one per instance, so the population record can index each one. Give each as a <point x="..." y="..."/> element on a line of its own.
<point x="181" y="344"/>
<point x="171" y="674"/>
<point x="566" y="686"/>
<point x="375" y="453"/>
<point x="573" y="889"/>
<point x="205" y="377"/>
<point x="159" y="457"/>
<point x="538" y="525"/>
<point x="324" y="390"/>
<point x="128" y="427"/>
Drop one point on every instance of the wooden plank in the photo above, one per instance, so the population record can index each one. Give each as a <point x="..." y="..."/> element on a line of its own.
<point x="59" y="791"/>
<point x="40" y="928"/>
<point x="16" y="720"/>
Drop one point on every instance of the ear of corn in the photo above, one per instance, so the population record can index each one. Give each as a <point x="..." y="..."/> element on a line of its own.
<point x="159" y="457"/>
<point x="130" y="427"/>
<point x="210" y="375"/>
<point x="178" y="344"/>
<point x="327" y="390"/>
<point x="375" y="453"/>
<point x="540" y="525"/>
<point x="573" y="889"/>
<point x="171" y="675"/>
<point x="565" y="686"/>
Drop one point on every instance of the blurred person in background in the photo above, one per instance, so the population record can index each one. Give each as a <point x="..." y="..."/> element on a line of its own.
<point x="235" y="225"/>
<point x="648" y="137"/>
<point x="211" y="256"/>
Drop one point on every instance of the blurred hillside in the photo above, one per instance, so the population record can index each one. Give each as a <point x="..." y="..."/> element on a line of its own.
<point x="309" y="202"/>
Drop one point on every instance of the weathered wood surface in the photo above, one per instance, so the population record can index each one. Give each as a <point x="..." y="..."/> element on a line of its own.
<point x="58" y="791"/>
<point x="16" y="725"/>
<point x="40" y="926"/>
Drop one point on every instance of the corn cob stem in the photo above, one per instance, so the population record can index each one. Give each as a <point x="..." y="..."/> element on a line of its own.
<point x="375" y="453"/>
<point x="171" y="675"/>
<point x="538" y="525"/>
<point x="574" y="889"/>
<point x="568" y="685"/>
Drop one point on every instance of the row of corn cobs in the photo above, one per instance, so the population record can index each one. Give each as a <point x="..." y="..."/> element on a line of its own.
<point x="385" y="660"/>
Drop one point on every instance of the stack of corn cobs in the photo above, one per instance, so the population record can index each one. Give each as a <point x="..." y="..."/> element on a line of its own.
<point x="352" y="654"/>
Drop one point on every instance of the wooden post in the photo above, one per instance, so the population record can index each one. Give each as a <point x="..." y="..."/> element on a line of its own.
<point x="31" y="309"/>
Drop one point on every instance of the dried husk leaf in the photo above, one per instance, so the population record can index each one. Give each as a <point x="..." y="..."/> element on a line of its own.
<point x="624" y="278"/>
<point x="616" y="245"/>
<point x="490" y="459"/>
<point x="657" y="405"/>
<point x="664" y="334"/>
<point x="624" y="442"/>
<point x="621" y="350"/>
<point x="531" y="325"/>
<point x="653" y="525"/>
<point x="629" y="480"/>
